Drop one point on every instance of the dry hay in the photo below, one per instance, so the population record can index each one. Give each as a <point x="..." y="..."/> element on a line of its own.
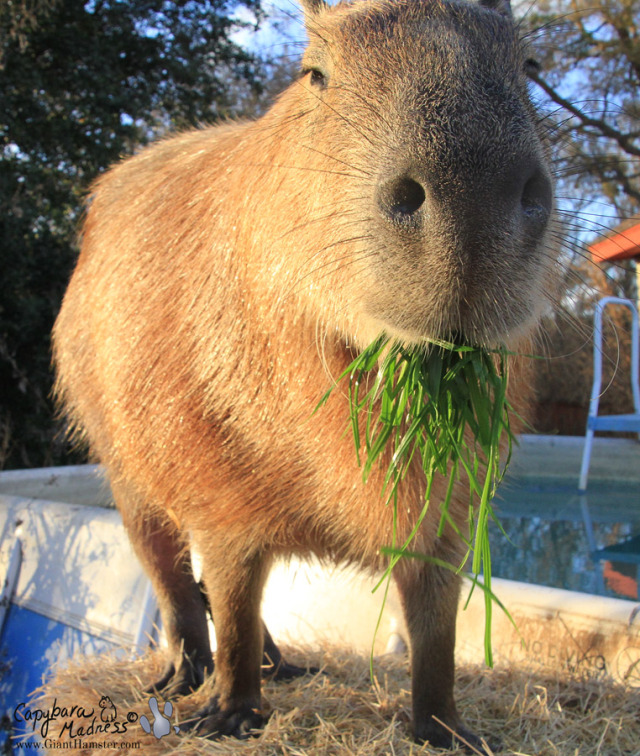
<point x="339" y="711"/>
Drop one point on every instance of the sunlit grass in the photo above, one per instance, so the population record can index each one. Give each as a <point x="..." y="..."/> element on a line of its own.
<point x="446" y="405"/>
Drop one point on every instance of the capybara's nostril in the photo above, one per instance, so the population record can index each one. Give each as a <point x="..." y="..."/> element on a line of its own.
<point x="400" y="199"/>
<point x="537" y="199"/>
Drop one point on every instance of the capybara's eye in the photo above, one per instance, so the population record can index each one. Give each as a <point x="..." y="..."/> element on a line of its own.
<point x="318" y="78"/>
<point x="532" y="67"/>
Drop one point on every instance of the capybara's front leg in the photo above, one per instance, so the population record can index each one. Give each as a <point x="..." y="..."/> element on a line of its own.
<point x="430" y="600"/>
<point x="166" y="560"/>
<point x="234" y="584"/>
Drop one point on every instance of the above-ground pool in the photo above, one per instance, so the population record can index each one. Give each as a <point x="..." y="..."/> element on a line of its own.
<point x="544" y="517"/>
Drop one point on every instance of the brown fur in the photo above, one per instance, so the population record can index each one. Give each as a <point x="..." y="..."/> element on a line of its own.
<point x="228" y="274"/>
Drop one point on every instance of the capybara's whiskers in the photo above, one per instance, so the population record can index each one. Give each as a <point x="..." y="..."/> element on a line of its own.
<point x="341" y="116"/>
<point x="301" y="169"/>
<point x="330" y="267"/>
<point x="332" y="157"/>
<point x="332" y="212"/>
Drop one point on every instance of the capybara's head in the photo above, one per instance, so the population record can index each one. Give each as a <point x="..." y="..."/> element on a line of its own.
<point x="424" y="106"/>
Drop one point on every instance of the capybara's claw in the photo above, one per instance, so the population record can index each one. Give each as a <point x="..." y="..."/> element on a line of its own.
<point x="241" y="721"/>
<point x="285" y="671"/>
<point x="180" y="681"/>
<point x="441" y="736"/>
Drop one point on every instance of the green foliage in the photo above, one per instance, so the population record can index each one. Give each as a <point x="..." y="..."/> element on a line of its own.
<point x="81" y="84"/>
<point x="588" y="89"/>
<point x="446" y="405"/>
<point x="590" y="56"/>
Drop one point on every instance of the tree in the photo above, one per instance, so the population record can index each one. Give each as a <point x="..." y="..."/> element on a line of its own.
<point x="81" y="84"/>
<point x="590" y="56"/>
<point x="588" y="84"/>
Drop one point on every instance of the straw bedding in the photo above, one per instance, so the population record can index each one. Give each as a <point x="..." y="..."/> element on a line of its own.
<point x="341" y="711"/>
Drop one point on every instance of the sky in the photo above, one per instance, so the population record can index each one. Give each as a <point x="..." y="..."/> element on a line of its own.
<point x="282" y="25"/>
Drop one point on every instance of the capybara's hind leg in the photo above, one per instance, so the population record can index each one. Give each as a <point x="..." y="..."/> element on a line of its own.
<point x="234" y="584"/>
<point x="275" y="666"/>
<point x="166" y="560"/>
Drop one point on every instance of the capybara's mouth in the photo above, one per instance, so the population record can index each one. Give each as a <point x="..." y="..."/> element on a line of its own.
<point x="458" y="339"/>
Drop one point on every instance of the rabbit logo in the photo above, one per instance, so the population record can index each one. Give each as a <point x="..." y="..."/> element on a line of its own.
<point x="161" y="725"/>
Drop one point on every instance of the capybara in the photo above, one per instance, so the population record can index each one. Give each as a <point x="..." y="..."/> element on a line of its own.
<point x="229" y="274"/>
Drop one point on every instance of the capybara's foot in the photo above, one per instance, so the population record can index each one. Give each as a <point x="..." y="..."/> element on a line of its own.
<point x="285" y="671"/>
<point x="237" y="721"/>
<point x="439" y="736"/>
<point x="181" y="681"/>
<point x="274" y="666"/>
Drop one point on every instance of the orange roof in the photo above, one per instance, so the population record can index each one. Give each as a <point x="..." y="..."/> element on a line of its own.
<point x="620" y="246"/>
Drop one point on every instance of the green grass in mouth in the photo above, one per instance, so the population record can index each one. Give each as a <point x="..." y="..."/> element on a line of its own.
<point x="447" y="405"/>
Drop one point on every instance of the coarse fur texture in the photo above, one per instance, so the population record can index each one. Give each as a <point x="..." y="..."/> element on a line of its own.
<point x="227" y="274"/>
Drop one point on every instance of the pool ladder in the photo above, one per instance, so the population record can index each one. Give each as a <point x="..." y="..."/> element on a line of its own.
<point x="596" y="422"/>
<point x="627" y="551"/>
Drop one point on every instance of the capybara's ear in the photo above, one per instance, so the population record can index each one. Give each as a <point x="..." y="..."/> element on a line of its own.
<point x="501" y="6"/>
<point x="313" y="8"/>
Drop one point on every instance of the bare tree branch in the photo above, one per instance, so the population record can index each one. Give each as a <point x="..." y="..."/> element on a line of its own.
<point x="623" y="140"/>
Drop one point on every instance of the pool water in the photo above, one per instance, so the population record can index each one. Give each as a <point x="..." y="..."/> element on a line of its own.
<point x="537" y="505"/>
<point x="547" y="543"/>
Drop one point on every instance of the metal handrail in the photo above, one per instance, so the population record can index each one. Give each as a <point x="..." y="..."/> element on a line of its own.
<point x="595" y="422"/>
